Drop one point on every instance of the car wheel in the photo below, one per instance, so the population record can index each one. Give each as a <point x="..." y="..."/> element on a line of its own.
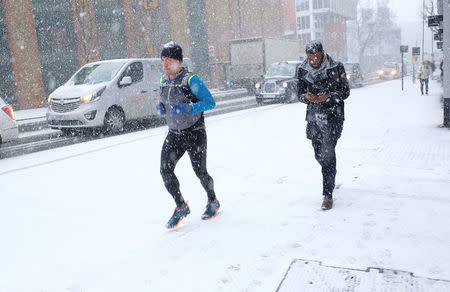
<point x="290" y="97"/>
<point x="68" y="131"/>
<point x="250" y="91"/>
<point x="114" y="120"/>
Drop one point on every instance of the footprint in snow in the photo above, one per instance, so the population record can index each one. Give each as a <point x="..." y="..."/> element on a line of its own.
<point x="234" y="268"/>
<point x="281" y="180"/>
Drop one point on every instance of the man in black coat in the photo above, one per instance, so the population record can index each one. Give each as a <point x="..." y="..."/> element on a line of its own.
<point x="323" y="86"/>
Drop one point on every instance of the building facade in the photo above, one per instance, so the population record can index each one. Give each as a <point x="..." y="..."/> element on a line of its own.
<point x="43" y="42"/>
<point x="290" y="19"/>
<point x="325" y="20"/>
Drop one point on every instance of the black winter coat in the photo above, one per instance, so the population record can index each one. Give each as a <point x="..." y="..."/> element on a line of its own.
<point x="335" y="85"/>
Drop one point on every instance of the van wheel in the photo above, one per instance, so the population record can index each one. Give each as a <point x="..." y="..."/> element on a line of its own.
<point x="114" y="120"/>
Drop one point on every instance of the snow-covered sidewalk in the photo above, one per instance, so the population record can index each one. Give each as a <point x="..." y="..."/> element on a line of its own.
<point x="90" y="217"/>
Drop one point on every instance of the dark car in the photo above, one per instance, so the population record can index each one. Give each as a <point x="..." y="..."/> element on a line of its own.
<point x="354" y="74"/>
<point x="279" y="83"/>
<point x="389" y="70"/>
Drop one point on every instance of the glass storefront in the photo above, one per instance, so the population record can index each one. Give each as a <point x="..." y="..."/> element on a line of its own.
<point x="56" y="41"/>
<point x="110" y="29"/>
<point x="199" y="37"/>
<point x="7" y="88"/>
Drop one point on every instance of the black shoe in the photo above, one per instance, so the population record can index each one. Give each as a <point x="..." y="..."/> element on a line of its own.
<point x="327" y="203"/>
<point x="212" y="208"/>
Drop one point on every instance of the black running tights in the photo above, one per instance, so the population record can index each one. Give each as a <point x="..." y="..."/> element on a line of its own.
<point x="174" y="147"/>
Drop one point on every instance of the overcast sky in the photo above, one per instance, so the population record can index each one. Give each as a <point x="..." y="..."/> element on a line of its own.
<point x="407" y="10"/>
<point x="408" y="17"/>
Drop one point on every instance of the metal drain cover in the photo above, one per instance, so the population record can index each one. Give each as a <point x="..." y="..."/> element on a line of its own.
<point x="305" y="275"/>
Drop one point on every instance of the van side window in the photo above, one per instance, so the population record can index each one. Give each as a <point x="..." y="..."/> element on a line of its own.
<point x="135" y="71"/>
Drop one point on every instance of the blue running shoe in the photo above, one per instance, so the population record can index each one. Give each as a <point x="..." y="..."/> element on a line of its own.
<point x="178" y="215"/>
<point x="212" y="208"/>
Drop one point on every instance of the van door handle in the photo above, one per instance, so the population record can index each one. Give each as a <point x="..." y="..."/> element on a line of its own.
<point x="144" y="91"/>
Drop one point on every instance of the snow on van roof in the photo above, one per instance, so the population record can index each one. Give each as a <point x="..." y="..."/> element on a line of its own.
<point x="125" y="60"/>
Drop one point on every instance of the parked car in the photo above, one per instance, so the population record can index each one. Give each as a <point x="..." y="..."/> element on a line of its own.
<point x="105" y="95"/>
<point x="279" y="83"/>
<point x="389" y="70"/>
<point x="9" y="129"/>
<point x="354" y="76"/>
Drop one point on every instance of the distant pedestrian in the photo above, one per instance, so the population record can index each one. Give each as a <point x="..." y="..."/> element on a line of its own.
<point x="323" y="86"/>
<point x="184" y="98"/>
<point x="423" y="74"/>
<point x="441" y="66"/>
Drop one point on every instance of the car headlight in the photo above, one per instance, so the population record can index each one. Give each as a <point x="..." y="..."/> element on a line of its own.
<point x="380" y="72"/>
<point x="92" y="97"/>
<point x="349" y="76"/>
<point x="49" y="99"/>
<point x="393" y="72"/>
<point x="285" y="84"/>
<point x="257" y="85"/>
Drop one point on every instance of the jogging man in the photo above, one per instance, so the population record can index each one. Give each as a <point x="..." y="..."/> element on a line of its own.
<point x="184" y="97"/>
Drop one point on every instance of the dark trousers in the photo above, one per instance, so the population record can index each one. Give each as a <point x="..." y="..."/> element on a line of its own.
<point x="422" y="82"/>
<point x="324" y="136"/>
<point x="174" y="147"/>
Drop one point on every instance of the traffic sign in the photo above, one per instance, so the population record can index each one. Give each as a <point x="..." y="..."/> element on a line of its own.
<point x="434" y="20"/>
<point x="416" y="51"/>
<point x="403" y="49"/>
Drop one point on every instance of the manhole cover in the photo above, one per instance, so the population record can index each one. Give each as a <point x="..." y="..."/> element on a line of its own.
<point x="304" y="275"/>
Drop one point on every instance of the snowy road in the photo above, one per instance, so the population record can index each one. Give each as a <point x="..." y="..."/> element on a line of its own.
<point x="91" y="216"/>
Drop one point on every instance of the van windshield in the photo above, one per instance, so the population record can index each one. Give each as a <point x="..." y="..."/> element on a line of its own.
<point x="96" y="73"/>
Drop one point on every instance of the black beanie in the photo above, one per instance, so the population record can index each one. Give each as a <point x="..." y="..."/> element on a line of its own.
<point x="172" y="50"/>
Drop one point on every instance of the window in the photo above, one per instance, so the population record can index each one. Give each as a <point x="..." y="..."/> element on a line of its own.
<point x="56" y="41"/>
<point x="318" y="21"/>
<point x="135" y="71"/>
<point x="8" y="89"/>
<point x="319" y="36"/>
<point x="317" y="4"/>
<point x="303" y="22"/>
<point x="109" y="17"/>
<point x="304" y="38"/>
<point x="302" y="5"/>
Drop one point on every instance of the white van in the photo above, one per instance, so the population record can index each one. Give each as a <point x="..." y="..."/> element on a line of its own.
<point x="106" y="94"/>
